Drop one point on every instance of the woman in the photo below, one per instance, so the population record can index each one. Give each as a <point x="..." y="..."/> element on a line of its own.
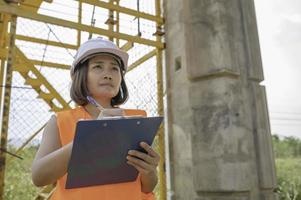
<point x="97" y="75"/>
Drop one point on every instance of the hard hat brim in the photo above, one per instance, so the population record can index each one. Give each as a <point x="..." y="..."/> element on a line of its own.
<point x="92" y="52"/>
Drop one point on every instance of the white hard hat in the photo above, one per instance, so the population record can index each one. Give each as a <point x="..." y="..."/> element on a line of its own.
<point x="96" y="46"/>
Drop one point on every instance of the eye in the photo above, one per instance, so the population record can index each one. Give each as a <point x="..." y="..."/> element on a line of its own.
<point x="115" y="68"/>
<point x="97" y="67"/>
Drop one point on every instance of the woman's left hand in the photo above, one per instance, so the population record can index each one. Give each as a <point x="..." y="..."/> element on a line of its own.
<point x="146" y="164"/>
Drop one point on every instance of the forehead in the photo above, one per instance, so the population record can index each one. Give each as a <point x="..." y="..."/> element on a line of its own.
<point x="102" y="58"/>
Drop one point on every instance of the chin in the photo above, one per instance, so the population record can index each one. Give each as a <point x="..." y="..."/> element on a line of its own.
<point x="105" y="95"/>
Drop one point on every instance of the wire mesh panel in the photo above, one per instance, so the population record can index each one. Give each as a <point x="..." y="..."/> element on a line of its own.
<point x="27" y="114"/>
<point x="50" y="50"/>
<point x="142" y="85"/>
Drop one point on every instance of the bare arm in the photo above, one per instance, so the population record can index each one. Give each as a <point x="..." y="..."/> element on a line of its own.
<point x="52" y="159"/>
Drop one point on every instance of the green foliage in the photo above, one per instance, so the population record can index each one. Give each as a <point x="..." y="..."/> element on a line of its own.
<point x="286" y="147"/>
<point x="18" y="184"/>
<point x="288" y="167"/>
<point x="289" y="178"/>
<point x="287" y="150"/>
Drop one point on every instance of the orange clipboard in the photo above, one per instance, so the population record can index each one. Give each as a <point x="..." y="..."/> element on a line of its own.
<point x="100" y="148"/>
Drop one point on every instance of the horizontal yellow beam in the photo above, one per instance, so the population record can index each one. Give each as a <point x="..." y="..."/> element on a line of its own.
<point x="50" y="64"/>
<point x="127" y="46"/>
<point x="142" y="60"/>
<point x="3" y="55"/>
<point x="31" y="5"/>
<point x="42" y="41"/>
<point x="14" y="10"/>
<point x="125" y="10"/>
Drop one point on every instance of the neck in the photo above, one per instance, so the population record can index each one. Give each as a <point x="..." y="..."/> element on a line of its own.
<point x="105" y="103"/>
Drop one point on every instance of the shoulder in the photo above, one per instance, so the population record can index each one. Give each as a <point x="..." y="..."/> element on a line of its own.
<point x="69" y="115"/>
<point x="67" y="112"/>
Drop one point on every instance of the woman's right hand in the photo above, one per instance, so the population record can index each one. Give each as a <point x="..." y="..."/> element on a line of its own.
<point x="111" y="112"/>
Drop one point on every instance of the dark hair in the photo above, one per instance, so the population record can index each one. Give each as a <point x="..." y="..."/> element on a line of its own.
<point x="79" y="90"/>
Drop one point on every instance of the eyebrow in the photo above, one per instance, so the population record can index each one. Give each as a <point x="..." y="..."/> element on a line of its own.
<point x="100" y="62"/>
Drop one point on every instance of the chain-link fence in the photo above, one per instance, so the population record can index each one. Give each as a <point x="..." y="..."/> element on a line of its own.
<point x="29" y="112"/>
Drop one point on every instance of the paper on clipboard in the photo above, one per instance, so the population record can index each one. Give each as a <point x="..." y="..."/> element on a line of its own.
<point x="100" y="148"/>
<point x="121" y="117"/>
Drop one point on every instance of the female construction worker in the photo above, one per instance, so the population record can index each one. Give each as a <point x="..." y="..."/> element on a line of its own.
<point x="98" y="87"/>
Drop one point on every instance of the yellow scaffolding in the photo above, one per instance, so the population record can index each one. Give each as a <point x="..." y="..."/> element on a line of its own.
<point x="8" y="71"/>
<point x="13" y="58"/>
<point x="162" y="171"/>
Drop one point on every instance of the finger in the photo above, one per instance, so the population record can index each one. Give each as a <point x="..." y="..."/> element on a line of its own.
<point x="141" y="163"/>
<point x="116" y="111"/>
<point x="143" y="156"/>
<point x="111" y="112"/>
<point x="140" y="169"/>
<point x="150" y="150"/>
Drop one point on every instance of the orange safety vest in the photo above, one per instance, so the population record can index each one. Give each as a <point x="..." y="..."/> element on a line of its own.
<point x="66" y="121"/>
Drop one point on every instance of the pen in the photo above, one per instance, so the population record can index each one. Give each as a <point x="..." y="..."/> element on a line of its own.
<point x="100" y="108"/>
<point x="95" y="103"/>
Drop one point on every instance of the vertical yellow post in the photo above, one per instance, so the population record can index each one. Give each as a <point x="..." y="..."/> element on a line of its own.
<point x="111" y="20"/>
<point x="117" y="24"/>
<point x="3" y="29"/>
<point x="2" y="32"/>
<point x="162" y="170"/>
<point x="6" y="103"/>
<point x="3" y="35"/>
<point x="2" y="64"/>
<point x="80" y="6"/>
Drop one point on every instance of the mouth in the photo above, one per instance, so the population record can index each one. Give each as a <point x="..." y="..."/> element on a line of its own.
<point x="106" y="85"/>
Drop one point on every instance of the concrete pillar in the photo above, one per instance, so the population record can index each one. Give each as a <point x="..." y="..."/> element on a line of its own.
<point x="219" y="135"/>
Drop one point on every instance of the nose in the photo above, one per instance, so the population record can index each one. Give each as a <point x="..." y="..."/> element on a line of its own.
<point x="108" y="77"/>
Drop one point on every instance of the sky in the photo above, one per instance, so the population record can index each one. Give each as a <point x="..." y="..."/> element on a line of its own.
<point x="279" y="26"/>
